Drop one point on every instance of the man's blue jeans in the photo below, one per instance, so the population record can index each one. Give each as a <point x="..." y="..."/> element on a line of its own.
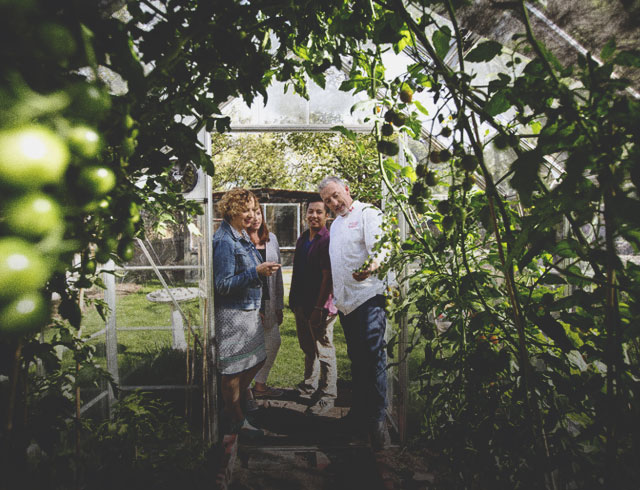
<point x="364" y="332"/>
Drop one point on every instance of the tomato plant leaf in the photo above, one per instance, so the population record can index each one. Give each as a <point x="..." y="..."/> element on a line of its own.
<point x="628" y="58"/>
<point x="497" y="104"/>
<point x="409" y="173"/>
<point x="608" y="49"/>
<point x="351" y="136"/>
<point x="421" y="108"/>
<point x="441" y="40"/>
<point x="484" y="51"/>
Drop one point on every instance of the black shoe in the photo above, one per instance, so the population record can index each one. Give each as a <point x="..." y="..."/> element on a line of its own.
<point x="379" y="435"/>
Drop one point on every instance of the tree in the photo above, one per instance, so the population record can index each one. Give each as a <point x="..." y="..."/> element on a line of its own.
<point x="295" y="161"/>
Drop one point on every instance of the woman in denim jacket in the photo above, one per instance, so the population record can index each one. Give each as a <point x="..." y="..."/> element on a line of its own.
<point x="238" y="332"/>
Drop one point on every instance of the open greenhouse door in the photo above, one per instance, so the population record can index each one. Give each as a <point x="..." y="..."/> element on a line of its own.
<point x="199" y="189"/>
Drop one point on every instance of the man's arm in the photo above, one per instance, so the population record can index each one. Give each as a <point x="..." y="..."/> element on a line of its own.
<point x="372" y="226"/>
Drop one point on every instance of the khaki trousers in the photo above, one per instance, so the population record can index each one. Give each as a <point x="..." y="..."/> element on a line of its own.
<point x="320" y="367"/>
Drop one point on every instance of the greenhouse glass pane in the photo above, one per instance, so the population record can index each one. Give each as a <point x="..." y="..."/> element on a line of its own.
<point x="332" y="106"/>
<point x="326" y="106"/>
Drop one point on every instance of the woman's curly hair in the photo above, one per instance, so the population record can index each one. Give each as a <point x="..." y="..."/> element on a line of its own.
<point x="234" y="202"/>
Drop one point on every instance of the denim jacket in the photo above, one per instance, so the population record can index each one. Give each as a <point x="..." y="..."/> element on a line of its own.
<point x="235" y="278"/>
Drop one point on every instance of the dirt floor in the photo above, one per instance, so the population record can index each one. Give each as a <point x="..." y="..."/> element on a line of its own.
<point x="301" y="451"/>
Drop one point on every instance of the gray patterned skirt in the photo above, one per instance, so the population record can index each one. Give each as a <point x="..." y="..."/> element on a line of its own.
<point x="240" y="340"/>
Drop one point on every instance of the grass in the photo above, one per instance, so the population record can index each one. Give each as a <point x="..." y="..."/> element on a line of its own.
<point x="139" y="347"/>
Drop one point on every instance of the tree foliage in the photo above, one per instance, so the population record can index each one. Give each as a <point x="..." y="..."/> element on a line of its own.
<point x="295" y="161"/>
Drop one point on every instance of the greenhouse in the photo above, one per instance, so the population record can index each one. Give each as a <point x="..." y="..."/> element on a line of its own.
<point x="498" y="140"/>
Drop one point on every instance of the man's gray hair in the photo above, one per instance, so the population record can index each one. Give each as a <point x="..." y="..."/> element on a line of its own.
<point x="328" y="180"/>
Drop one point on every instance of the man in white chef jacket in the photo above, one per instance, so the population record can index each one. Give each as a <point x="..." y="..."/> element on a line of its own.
<point x="359" y="297"/>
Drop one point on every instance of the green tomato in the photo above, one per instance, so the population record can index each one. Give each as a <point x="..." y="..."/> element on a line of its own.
<point x="128" y="227"/>
<point x="85" y="141"/>
<point x="389" y="115"/>
<point x="387" y="130"/>
<point x="399" y="119"/>
<point x="57" y="40"/>
<point x="89" y="266"/>
<point x="444" y="206"/>
<point x="406" y="95"/>
<point x="445" y="155"/>
<point x="25" y="314"/>
<point x="431" y="179"/>
<point x="469" y="162"/>
<point x="126" y="250"/>
<point x="96" y="181"/>
<point x="468" y="182"/>
<point x="22" y="268"/>
<point x="134" y="212"/>
<point x="32" y="156"/>
<point x="33" y="215"/>
<point x="89" y="101"/>
<point x="129" y="145"/>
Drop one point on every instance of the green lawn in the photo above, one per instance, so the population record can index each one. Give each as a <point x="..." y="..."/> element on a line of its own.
<point x="138" y="347"/>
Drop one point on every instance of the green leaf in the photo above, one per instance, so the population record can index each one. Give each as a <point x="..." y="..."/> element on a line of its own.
<point x="390" y="165"/>
<point x="404" y="42"/>
<point x="536" y="126"/>
<point x="608" y="49"/>
<point x="484" y="51"/>
<point x="351" y="136"/>
<point x="497" y="104"/>
<point x="302" y="52"/>
<point x="363" y="105"/>
<point x="409" y="173"/>
<point x="441" y="40"/>
<point x="319" y="79"/>
<point x="420" y="107"/>
<point x="628" y="58"/>
<point x="525" y="174"/>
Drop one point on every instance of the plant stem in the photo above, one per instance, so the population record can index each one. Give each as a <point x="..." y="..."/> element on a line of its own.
<point x="15" y="372"/>
<point x="612" y="321"/>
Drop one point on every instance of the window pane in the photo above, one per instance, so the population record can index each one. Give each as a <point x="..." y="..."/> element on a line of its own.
<point x="281" y="220"/>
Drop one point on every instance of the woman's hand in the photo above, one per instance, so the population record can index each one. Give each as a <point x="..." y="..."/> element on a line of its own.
<point x="267" y="268"/>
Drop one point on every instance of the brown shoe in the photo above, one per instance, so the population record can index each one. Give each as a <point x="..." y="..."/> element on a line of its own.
<point x="269" y="392"/>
